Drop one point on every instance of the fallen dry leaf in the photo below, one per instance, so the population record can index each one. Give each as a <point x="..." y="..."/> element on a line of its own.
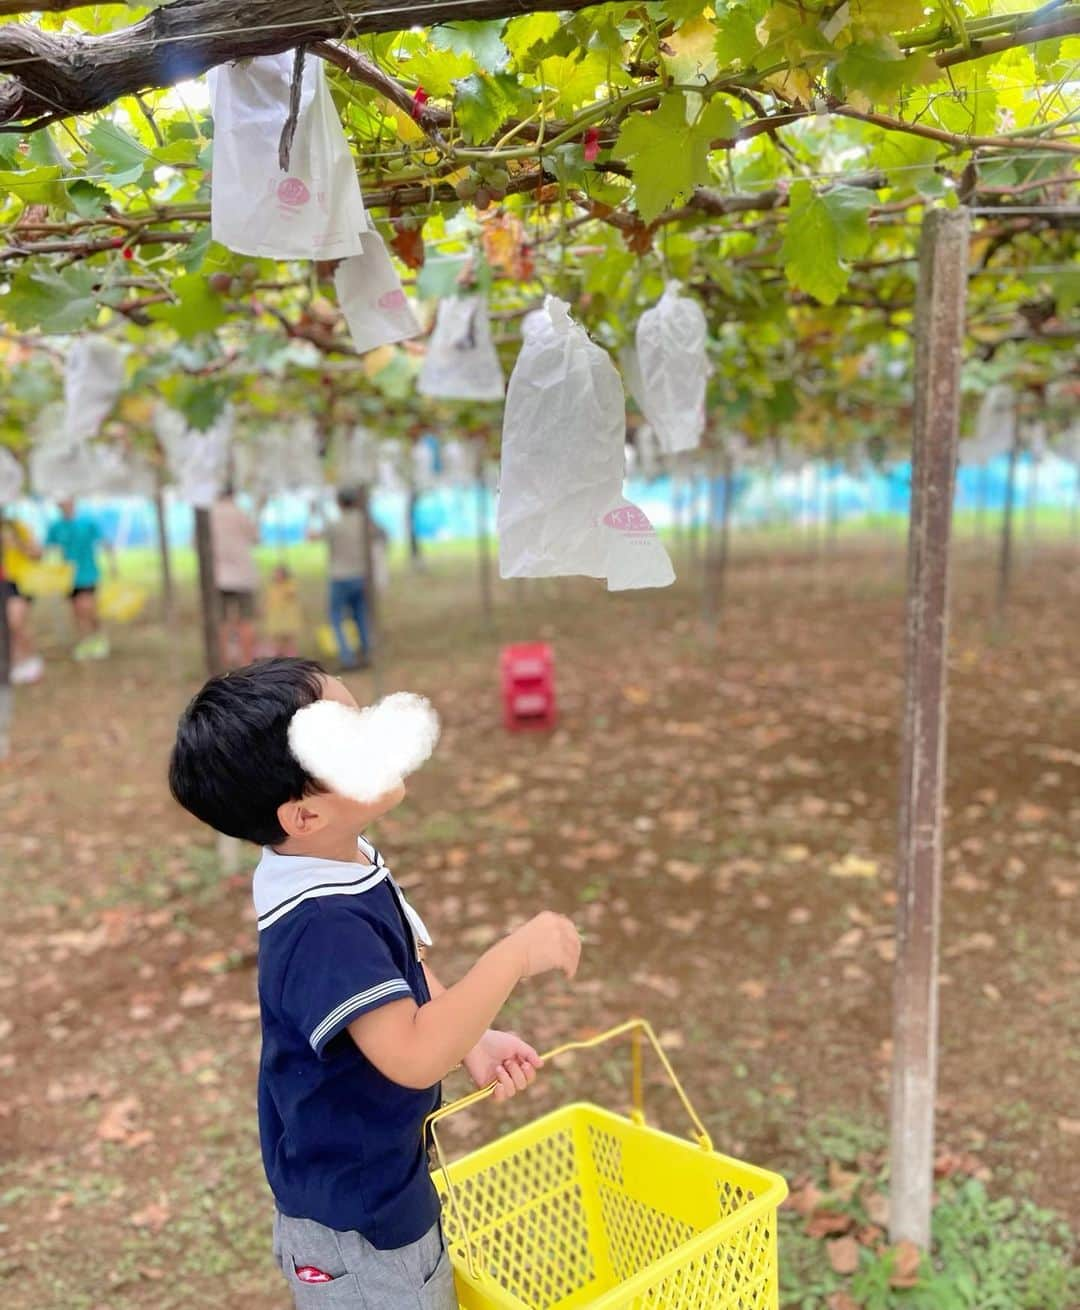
<point x="842" y="1182"/>
<point x="193" y="995"/>
<point x="905" y="1270"/>
<point x="843" y="1255"/>
<point x="876" y="1205"/>
<point x="828" y="1223"/>
<point x="118" y="1121"/>
<point x="1070" y="1126"/>
<point x="753" y="989"/>
<point x="804" y="1200"/>
<point x="154" y="1216"/>
<point x="854" y="866"/>
<point x="842" y="1301"/>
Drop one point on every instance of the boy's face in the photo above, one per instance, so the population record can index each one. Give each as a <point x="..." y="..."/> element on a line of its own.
<point x="328" y="818"/>
<point x="342" y="810"/>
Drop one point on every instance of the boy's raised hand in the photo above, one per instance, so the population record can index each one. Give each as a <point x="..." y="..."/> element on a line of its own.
<point x="549" y="941"/>
<point x="504" y="1059"/>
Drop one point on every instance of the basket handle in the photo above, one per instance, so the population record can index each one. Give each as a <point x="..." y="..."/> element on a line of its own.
<point x="639" y="1028"/>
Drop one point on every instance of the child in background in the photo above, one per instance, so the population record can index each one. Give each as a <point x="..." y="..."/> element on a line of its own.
<point x="357" y="1031"/>
<point x="284" y="615"/>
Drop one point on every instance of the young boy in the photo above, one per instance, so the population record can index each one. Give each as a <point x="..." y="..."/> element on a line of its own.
<point x="357" y="1031"/>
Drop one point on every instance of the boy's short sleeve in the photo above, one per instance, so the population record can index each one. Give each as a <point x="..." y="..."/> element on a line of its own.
<point x="339" y="969"/>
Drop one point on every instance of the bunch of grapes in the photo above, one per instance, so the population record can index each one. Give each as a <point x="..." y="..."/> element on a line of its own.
<point x="487" y="182"/>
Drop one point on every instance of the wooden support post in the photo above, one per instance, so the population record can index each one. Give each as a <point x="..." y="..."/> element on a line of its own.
<point x="373" y="604"/>
<point x="168" y="599"/>
<point x="718" y="546"/>
<point x="1005" y="554"/>
<point x="939" y="337"/>
<point x="213" y="655"/>
<point x="483" y="553"/>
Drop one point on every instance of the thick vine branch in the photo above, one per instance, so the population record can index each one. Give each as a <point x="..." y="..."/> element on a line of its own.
<point x="56" y="75"/>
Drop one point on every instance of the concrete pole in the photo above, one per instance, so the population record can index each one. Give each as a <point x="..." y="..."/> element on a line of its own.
<point x="939" y="337"/>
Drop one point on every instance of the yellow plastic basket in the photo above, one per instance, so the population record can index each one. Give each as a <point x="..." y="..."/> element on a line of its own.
<point x="47" y="577"/>
<point x="588" y="1208"/>
<point x="120" y="601"/>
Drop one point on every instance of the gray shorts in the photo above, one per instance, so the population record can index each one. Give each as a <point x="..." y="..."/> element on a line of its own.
<point x="416" y="1277"/>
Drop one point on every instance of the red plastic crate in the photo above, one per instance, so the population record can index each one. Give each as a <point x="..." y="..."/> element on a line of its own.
<point x="528" y="686"/>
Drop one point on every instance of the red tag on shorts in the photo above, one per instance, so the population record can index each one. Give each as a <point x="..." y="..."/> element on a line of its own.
<point x="309" y="1274"/>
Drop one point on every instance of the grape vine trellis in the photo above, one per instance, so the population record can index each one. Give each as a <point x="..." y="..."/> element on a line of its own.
<point x="775" y="155"/>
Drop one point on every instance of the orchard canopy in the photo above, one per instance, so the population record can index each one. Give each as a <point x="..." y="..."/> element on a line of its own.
<point x="775" y="156"/>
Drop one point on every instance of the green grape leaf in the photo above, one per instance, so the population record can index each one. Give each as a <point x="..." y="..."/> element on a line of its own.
<point x="438" y="279"/>
<point x="874" y="73"/>
<point x="438" y="70"/>
<point x="483" y="103"/>
<point x="887" y="15"/>
<point x="199" y="309"/>
<point x="1066" y="290"/>
<point x="568" y="162"/>
<point x="667" y="155"/>
<point x="52" y="300"/>
<point x="118" y="148"/>
<point x="86" y="199"/>
<point x="575" y="80"/>
<point x="192" y="255"/>
<point x="684" y="11"/>
<point x="823" y="230"/>
<point x="530" y="30"/>
<point x="200" y="401"/>
<point x="482" y="40"/>
<point x="35" y="186"/>
<point x="43" y="150"/>
<point x="717" y="122"/>
<point x="736" y="35"/>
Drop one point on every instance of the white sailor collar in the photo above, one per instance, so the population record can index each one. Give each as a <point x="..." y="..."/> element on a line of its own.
<point x="282" y="882"/>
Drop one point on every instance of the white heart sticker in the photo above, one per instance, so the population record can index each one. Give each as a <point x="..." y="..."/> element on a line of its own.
<point x="365" y="753"/>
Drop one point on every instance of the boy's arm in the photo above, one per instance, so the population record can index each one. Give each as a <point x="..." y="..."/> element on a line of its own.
<point x="498" y="1057"/>
<point x="417" y="1046"/>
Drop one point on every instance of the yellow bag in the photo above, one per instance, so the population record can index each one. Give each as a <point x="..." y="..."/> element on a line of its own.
<point x="47" y="577"/>
<point x="120" y="601"/>
<point x="584" y="1207"/>
<point x="327" y="642"/>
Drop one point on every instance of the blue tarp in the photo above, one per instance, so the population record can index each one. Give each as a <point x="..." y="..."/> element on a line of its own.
<point x="450" y="513"/>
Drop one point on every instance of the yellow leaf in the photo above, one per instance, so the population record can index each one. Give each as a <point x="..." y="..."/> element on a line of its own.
<point x="407" y="127"/>
<point x="376" y="360"/>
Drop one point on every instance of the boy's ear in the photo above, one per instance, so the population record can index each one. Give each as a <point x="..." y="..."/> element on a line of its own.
<point x="300" y="818"/>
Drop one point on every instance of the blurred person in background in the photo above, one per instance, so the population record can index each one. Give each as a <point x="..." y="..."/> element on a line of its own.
<point x="346" y="540"/>
<point x="235" y="534"/>
<point x="78" y="538"/>
<point x="20" y="549"/>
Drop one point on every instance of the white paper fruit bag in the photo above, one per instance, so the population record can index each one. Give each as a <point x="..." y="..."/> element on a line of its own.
<point x="371" y="298"/>
<point x="198" y="461"/>
<point x="673" y="370"/>
<point x="461" y="363"/>
<point x="315" y="210"/>
<point x="11" y="477"/>
<point x="93" y="379"/>
<point x="561" y="509"/>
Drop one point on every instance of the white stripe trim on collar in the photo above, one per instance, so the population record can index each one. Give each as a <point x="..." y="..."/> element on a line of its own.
<point x="282" y="882"/>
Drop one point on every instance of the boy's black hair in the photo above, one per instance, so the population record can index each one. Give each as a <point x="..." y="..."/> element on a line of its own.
<point x="231" y="765"/>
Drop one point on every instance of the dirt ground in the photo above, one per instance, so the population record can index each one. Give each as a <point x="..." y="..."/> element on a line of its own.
<point x="718" y="817"/>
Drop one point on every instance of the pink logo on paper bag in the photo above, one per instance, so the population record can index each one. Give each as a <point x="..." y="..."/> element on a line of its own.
<point x="392" y="299"/>
<point x="627" y="518"/>
<point x="293" y="192"/>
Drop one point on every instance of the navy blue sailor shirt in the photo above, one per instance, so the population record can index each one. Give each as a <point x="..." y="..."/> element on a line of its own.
<point x="341" y="1143"/>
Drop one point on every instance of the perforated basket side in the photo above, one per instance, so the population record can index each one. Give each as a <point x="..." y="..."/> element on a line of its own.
<point x="522" y="1201"/>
